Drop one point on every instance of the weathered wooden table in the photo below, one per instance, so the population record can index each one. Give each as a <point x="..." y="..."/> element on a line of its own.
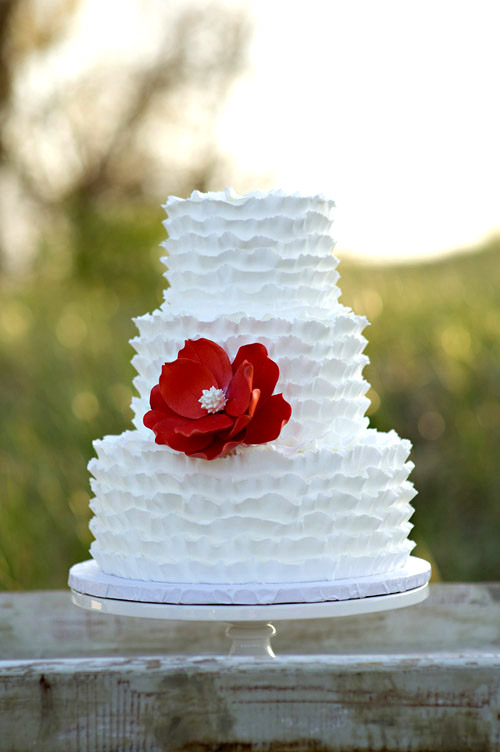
<point x="423" y="678"/>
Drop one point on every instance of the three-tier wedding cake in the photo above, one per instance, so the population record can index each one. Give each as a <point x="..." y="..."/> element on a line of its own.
<point x="251" y="459"/>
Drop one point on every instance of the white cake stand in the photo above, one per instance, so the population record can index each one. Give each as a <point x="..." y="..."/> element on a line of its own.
<point x="250" y="628"/>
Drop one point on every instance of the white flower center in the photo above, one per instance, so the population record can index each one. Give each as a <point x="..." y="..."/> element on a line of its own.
<point x="213" y="400"/>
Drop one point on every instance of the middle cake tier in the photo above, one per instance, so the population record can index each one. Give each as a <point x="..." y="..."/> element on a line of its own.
<point x="320" y="360"/>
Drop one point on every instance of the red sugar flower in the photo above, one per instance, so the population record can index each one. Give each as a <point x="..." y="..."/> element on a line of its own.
<point x="204" y="405"/>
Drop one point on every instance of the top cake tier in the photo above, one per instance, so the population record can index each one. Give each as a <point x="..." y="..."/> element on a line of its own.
<point x="261" y="252"/>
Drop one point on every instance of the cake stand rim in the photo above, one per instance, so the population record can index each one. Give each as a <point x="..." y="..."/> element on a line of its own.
<point x="265" y="614"/>
<point x="87" y="579"/>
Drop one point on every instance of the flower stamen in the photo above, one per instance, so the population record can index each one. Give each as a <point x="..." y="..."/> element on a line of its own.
<point x="213" y="400"/>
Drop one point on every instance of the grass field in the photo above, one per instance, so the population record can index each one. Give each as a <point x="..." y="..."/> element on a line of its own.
<point x="434" y="347"/>
<point x="66" y="379"/>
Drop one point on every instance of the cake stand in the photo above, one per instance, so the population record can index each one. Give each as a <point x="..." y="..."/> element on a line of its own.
<point x="250" y="627"/>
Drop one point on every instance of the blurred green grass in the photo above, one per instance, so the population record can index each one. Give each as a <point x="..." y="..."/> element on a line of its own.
<point x="435" y="370"/>
<point x="67" y="379"/>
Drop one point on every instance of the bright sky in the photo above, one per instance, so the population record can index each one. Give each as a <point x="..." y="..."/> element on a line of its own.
<point x="390" y="107"/>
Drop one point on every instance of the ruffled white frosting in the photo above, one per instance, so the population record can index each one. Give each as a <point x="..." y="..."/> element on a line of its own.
<point x="259" y="254"/>
<point x="329" y="498"/>
<point x="265" y="514"/>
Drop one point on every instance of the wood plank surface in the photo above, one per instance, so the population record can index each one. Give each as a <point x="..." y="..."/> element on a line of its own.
<point x="423" y="678"/>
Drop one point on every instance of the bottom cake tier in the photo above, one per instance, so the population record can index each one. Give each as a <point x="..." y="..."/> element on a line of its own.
<point x="265" y="514"/>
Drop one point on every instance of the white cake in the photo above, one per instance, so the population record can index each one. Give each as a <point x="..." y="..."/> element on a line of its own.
<point x="329" y="497"/>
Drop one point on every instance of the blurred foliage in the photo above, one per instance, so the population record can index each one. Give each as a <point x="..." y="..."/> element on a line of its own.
<point x="78" y="127"/>
<point x="66" y="379"/>
<point x="435" y="375"/>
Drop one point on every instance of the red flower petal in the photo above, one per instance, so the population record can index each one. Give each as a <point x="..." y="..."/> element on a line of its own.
<point x="265" y="370"/>
<point x="181" y="385"/>
<point x="212" y="356"/>
<point x="190" y="444"/>
<point x="240" y="423"/>
<point x="254" y="401"/>
<point x="158" y="403"/>
<point x="165" y="432"/>
<point x="269" y="419"/>
<point x="243" y="421"/>
<point x="217" y="449"/>
<point x="162" y="425"/>
<point x="209" y="424"/>
<point x="153" y="417"/>
<point x="240" y="390"/>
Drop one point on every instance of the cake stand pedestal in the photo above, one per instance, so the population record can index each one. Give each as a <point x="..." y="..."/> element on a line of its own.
<point x="250" y="624"/>
<point x="250" y="629"/>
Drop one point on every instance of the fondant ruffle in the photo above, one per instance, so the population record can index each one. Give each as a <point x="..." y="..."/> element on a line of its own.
<point x="268" y="251"/>
<point x="264" y="514"/>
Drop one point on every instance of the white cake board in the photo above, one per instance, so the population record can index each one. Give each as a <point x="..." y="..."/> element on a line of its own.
<point x="250" y="629"/>
<point x="86" y="577"/>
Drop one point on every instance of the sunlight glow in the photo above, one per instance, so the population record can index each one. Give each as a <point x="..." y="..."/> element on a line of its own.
<point x="391" y="108"/>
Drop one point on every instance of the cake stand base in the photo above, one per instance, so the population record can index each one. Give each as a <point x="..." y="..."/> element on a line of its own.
<point x="250" y="625"/>
<point x="250" y="629"/>
<point x="252" y="640"/>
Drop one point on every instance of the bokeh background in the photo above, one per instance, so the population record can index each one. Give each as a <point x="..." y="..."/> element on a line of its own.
<point x="107" y="108"/>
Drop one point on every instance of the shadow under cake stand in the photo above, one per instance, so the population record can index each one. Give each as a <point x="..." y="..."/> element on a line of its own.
<point x="249" y="610"/>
